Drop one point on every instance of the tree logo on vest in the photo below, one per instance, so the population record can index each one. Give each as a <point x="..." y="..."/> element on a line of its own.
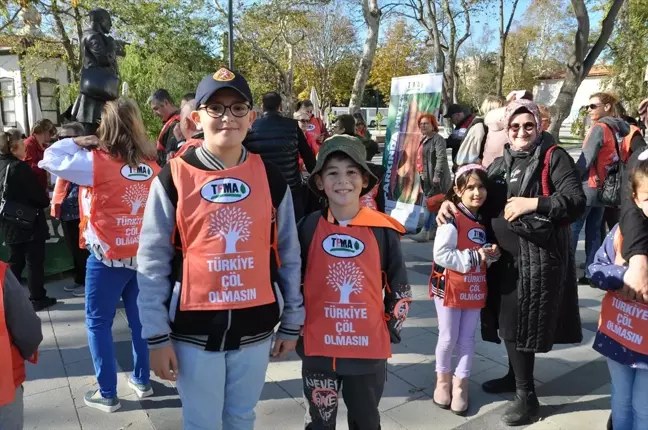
<point x="477" y="235"/>
<point x="140" y="173"/>
<point x="135" y="196"/>
<point x="225" y="190"/>
<point x="232" y="225"/>
<point x="342" y="246"/>
<point x="346" y="278"/>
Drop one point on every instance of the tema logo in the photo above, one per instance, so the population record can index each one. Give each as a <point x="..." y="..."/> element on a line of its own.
<point x="140" y="173"/>
<point x="225" y="190"/>
<point x="342" y="246"/>
<point x="477" y="235"/>
<point x="310" y="127"/>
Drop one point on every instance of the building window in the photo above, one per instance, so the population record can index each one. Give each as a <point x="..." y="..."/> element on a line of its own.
<point x="8" y="104"/>
<point x="48" y="99"/>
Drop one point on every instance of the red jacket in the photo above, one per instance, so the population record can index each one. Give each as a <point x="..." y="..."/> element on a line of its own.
<point x="33" y="154"/>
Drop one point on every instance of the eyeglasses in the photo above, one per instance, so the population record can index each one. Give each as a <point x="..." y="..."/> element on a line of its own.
<point x="593" y="106"/>
<point x="527" y="126"/>
<point x="217" y="110"/>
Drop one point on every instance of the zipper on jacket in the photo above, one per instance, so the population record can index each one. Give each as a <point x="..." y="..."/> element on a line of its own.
<point x="229" y="324"/>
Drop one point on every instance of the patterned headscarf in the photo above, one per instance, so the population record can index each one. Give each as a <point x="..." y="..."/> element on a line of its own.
<point x="524" y="106"/>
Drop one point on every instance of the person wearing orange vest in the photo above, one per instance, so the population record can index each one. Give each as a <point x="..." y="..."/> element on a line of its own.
<point x="163" y="107"/>
<point x="459" y="286"/>
<point x="317" y="126"/>
<point x="65" y="207"/>
<point x="622" y="335"/>
<point x="20" y="335"/>
<point x="192" y="134"/>
<point x="219" y="265"/>
<point x="115" y="170"/>
<point x="599" y="154"/>
<point x="355" y="289"/>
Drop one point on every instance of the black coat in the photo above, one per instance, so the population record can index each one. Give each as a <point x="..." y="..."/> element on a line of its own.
<point x="279" y="140"/>
<point x="23" y="187"/>
<point x="533" y="296"/>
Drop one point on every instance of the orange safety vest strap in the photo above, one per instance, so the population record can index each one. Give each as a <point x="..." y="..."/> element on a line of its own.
<point x="370" y="218"/>
<point x="605" y="157"/>
<point x="10" y="368"/>
<point x="60" y="191"/>
<point x="191" y="143"/>
<point x="167" y="124"/>
<point x="626" y="145"/>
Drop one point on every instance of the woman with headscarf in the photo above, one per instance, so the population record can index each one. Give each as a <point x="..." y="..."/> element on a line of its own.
<point x="534" y="193"/>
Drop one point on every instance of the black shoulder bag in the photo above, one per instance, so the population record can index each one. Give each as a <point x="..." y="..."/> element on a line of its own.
<point x="13" y="212"/>
<point x="609" y="192"/>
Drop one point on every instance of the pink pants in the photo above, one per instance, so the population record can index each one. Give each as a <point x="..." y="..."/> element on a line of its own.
<point x="456" y="329"/>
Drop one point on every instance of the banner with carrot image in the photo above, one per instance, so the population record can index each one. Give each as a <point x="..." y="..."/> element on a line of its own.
<point x="410" y="98"/>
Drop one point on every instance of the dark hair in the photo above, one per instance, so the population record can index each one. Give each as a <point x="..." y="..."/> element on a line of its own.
<point x="304" y="103"/>
<point x="9" y="139"/>
<point x="462" y="180"/>
<point x="159" y="96"/>
<point x="359" y="118"/>
<point x="188" y="97"/>
<point x="43" y="126"/>
<point x="340" y="156"/>
<point x="348" y="123"/>
<point x="640" y="171"/>
<point x="630" y="120"/>
<point x="271" y="101"/>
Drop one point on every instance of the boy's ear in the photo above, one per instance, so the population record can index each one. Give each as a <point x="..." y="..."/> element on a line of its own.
<point x="253" y="116"/>
<point x="318" y="182"/>
<point x="365" y="180"/>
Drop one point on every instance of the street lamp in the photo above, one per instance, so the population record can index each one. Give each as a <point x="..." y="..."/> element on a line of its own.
<point x="230" y="35"/>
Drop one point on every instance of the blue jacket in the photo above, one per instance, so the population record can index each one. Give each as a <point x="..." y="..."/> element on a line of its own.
<point x="608" y="276"/>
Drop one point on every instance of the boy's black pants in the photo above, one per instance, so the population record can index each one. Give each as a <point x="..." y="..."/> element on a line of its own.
<point x="361" y="395"/>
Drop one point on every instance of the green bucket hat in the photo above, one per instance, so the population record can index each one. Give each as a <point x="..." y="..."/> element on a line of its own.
<point x="349" y="145"/>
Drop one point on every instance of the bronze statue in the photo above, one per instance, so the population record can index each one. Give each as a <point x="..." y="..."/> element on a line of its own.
<point x="99" y="81"/>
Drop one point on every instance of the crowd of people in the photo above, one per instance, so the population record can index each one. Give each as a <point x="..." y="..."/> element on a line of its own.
<point x="238" y="237"/>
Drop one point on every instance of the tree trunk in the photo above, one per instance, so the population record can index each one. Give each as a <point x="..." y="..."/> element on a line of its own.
<point x="580" y="62"/>
<point x="372" y="19"/>
<point x="502" y="53"/>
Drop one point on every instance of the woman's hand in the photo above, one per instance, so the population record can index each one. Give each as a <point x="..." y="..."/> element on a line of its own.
<point x="446" y="212"/>
<point x="87" y="142"/>
<point x="518" y="206"/>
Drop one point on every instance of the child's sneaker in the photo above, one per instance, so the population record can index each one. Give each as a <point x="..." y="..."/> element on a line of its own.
<point x="142" y="390"/>
<point x="94" y="399"/>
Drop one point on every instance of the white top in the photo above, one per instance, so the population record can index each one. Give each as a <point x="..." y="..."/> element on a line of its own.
<point x="73" y="163"/>
<point x="448" y="256"/>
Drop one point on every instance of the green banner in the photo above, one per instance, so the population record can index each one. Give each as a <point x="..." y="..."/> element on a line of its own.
<point x="57" y="255"/>
<point x="411" y="97"/>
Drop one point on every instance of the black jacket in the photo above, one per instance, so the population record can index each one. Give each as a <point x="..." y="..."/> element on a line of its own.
<point x="279" y="140"/>
<point x="23" y="187"/>
<point x="632" y="218"/>
<point x="533" y="296"/>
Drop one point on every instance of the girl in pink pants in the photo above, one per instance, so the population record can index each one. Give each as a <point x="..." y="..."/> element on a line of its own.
<point x="459" y="286"/>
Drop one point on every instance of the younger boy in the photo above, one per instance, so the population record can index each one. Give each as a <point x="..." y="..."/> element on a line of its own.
<point x="351" y="257"/>
<point x="219" y="265"/>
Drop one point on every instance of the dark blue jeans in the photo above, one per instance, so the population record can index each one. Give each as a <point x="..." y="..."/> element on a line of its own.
<point x="592" y="219"/>
<point x="104" y="287"/>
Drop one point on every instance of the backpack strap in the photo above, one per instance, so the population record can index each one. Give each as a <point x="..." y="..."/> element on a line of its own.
<point x="546" y="177"/>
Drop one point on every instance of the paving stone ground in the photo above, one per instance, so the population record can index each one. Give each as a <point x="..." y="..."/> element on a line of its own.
<point x="572" y="380"/>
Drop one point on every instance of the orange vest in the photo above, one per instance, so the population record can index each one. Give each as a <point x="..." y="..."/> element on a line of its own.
<point x="467" y="290"/>
<point x="317" y="127"/>
<point x="12" y="364"/>
<point x="60" y="191"/>
<point x="165" y="127"/>
<point x="627" y="142"/>
<point x="606" y="156"/>
<point x="625" y="322"/>
<point x="118" y="197"/>
<point x="224" y="219"/>
<point x="343" y="290"/>
<point x="191" y="143"/>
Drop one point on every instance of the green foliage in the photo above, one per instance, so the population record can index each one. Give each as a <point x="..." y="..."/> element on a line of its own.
<point x="629" y="54"/>
<point x="400" y="54"/>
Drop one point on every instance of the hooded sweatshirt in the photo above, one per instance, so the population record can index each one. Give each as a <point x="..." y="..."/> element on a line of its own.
<point x="591" y="148"/>
<point x="496" y="138"/>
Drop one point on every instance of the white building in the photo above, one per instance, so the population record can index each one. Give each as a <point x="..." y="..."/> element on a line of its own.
<point x="29" y="87"/>
<point x="547" y="90"/>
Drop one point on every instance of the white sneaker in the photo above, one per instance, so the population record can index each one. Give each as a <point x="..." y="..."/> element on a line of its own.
<point x="142" y="390"/>
<point x="70" y="288"/>
<point x="79" y="291"/>
<point x="422" y="236"/>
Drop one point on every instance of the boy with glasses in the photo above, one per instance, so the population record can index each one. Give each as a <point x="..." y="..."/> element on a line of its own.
<point x="219" y="265"/>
